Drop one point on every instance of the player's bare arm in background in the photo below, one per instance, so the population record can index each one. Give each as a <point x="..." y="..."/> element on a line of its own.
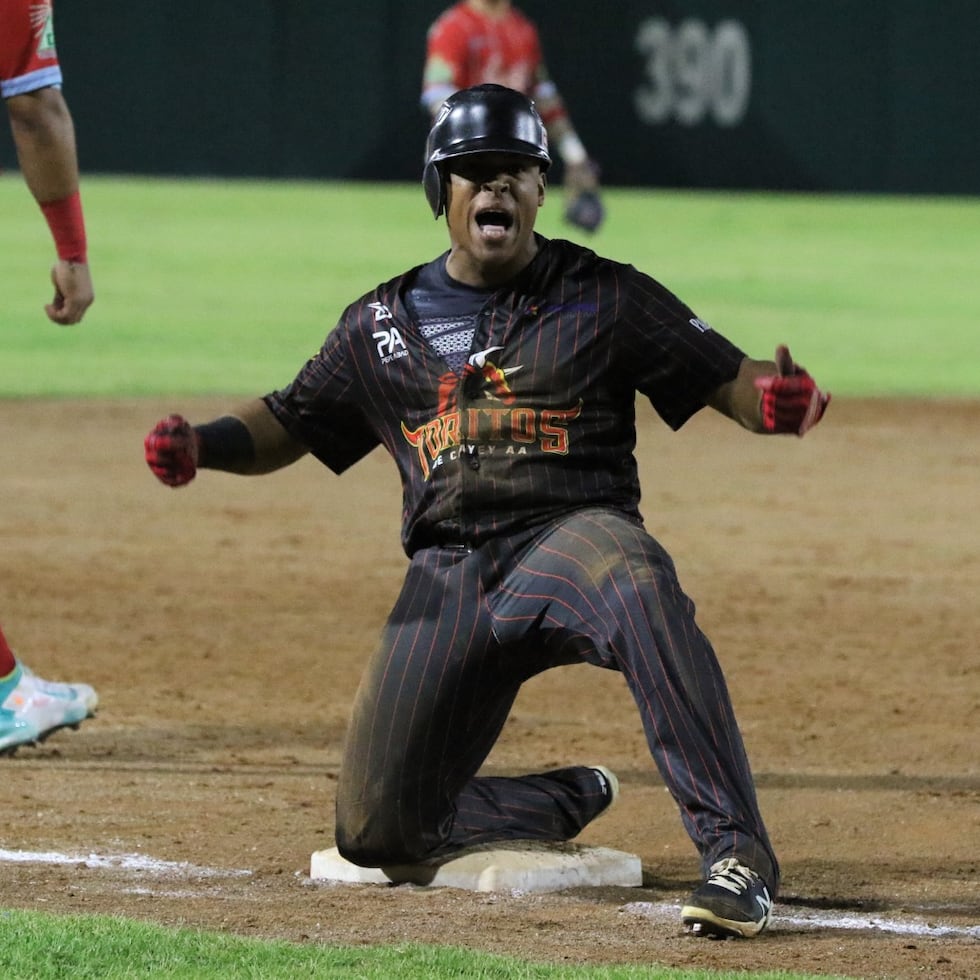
<point x="249" y="441"/>
<point x="44" y="137"/>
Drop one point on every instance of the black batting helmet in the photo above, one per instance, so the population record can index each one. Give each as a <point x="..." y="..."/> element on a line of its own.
<point x="482" y="119"/>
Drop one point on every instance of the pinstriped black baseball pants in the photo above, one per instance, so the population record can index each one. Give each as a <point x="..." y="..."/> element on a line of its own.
<point x="468" y="628"/>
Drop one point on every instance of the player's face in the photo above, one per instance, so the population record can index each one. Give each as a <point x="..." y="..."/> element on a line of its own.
<point x="492" y="204"/>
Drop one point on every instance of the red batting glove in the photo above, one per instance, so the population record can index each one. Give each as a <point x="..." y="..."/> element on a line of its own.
<point x="791" y="400"/>
<point x="171" y="451"/>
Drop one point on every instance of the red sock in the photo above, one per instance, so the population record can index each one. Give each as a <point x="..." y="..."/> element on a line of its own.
<point x="7" y="661"/>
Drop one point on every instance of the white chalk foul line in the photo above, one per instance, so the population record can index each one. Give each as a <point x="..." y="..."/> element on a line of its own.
<point x="139" y="863"/>
<point x="902" y="928"/>
<point x="828" y="919"/>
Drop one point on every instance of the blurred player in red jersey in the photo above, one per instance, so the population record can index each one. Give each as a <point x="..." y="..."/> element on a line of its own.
<point x="44" y="135"/>
<point x="478" y="41"/>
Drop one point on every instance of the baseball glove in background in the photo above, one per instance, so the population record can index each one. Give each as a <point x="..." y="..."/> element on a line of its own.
<point x="583" y="206"/>
<point x="585" y="211"/>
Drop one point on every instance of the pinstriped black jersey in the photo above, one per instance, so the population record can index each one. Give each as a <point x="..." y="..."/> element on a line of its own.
<point x="539" y="422"/>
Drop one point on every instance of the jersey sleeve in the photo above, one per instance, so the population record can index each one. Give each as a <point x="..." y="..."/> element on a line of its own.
<point x="671" y="355"/>
<point x="320" y="409"/>
<point x="28" y="58"/>
<point x="445" y="59"/>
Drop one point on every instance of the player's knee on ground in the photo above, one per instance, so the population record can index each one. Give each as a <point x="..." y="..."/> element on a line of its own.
<point x="378" y="837"/>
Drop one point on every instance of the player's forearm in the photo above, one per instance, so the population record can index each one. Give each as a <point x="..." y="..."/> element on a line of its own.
<point x="44" y="137"/>
<point x="739" y="398"/>
<point x="45" y="140"/>
<point x="564" y="141"/>
<point x="250" y="442"/>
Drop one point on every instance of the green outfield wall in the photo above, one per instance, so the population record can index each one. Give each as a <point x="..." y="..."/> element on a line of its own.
<point x="838" y="95"/>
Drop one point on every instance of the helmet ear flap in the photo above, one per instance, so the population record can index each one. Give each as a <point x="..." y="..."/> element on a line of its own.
<point x="435" y="188"/>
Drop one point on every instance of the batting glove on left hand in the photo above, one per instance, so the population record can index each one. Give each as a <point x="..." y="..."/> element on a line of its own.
<point x="171" y="451"/>
<point x="791" y="400"/>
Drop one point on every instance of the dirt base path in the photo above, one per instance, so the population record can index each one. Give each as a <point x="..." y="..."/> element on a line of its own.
<point x="225" y="625"/>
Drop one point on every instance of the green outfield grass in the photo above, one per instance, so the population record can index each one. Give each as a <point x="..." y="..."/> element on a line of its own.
<point x="227" y="287"/>
<point x="44" y="947"/>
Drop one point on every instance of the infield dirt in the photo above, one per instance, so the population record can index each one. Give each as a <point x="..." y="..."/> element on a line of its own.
<point x="225" y="625"/>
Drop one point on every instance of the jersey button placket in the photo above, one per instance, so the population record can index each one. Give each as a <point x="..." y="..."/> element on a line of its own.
<point x="469" y="391"/>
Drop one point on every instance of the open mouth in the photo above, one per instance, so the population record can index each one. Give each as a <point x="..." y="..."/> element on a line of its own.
<point x="493" y="223"/>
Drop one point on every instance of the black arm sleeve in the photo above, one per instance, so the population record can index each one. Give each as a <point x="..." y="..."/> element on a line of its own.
<point x="225" y="444"/>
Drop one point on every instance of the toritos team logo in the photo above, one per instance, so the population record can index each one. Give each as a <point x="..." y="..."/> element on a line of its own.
<point x="487" y="429"/>
<point x="494" y="378"/>
<point x="480" y="376"/>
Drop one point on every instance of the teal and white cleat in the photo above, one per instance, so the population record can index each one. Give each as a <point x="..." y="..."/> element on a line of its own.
<point x="31" y="709"/>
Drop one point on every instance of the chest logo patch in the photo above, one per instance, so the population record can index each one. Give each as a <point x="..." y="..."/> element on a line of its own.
<point x="491" y="379"/>
<point x="381" y="312"/>
<point x="390" y="344"/>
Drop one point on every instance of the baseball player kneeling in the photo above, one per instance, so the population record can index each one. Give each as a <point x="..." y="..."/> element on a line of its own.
<point x="502" y="377"/>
